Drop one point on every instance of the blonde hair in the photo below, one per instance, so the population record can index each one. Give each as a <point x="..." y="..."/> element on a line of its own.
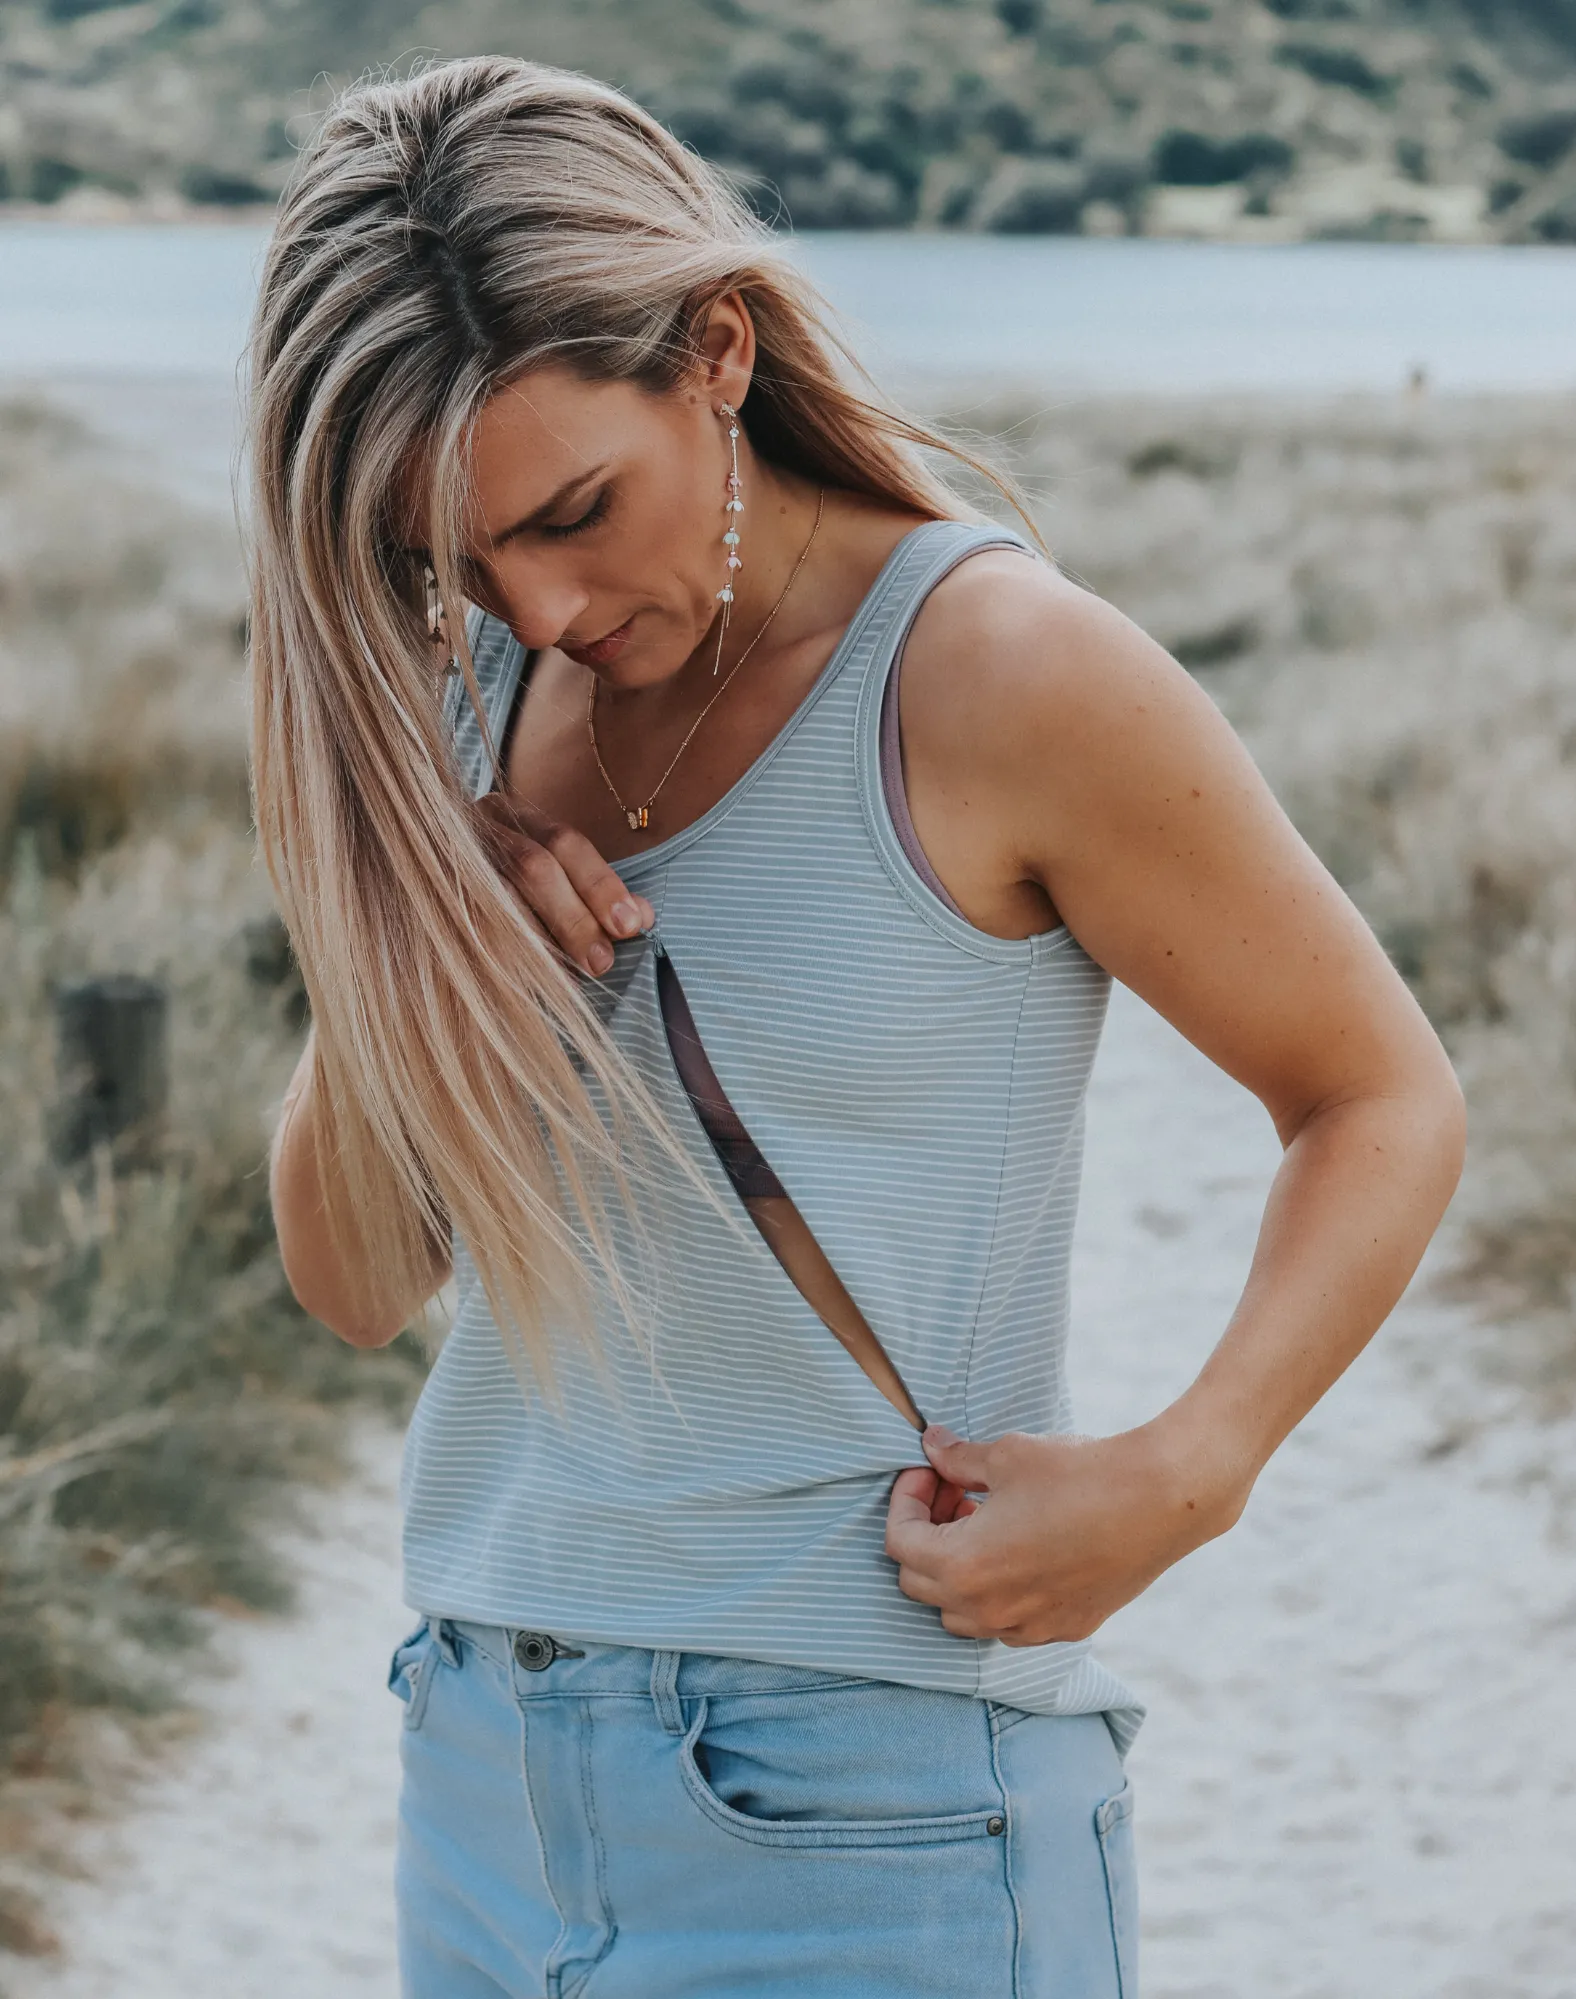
<point x="442" y="235"/>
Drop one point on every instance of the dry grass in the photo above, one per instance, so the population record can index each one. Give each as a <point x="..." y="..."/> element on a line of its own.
<point x="121" y="641"/>
<point x="1382" y="593"/>
<point x="160" y="1392"/>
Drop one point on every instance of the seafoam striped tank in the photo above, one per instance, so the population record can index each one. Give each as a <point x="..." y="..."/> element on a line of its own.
<point x="918" y="1087"/>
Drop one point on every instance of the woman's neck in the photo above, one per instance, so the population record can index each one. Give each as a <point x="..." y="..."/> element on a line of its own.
<point x="779" y="516"/>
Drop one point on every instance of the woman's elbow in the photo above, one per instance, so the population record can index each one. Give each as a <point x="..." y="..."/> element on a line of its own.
<point x="362" y="1332"/>
<point x="1433" y="1119"/>
<point x="1448" y="1109"/>
<point x="349" y="1319"/>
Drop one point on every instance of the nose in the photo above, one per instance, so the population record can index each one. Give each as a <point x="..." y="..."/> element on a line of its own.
<point x="541" y="612"/>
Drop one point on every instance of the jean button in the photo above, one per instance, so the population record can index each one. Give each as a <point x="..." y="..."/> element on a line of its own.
<point x="534" y="1650"/>
<point x="995" y="1827"/>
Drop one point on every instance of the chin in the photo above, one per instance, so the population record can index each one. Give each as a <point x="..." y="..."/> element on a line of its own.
<point x="628" y="674"/>
<point x="644" y="664"/>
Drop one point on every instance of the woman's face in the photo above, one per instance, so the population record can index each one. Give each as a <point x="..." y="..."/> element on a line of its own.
<point x="597" y="519"/>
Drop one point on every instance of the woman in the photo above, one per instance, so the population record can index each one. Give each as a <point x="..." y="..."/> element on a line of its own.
<point x="727" y="1003"/>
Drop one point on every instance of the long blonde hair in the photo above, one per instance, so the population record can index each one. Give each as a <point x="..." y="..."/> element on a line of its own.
<point x="443" y="234"/>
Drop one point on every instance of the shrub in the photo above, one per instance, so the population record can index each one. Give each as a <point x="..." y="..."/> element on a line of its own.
<point x="1347" y="68"/>
<point x="1193" y="159"/>
<point x="157" y="1382"/>
<point x="1541" y="140"/>
<point x="121" y="701"/>
<point x="1033" y="197"/>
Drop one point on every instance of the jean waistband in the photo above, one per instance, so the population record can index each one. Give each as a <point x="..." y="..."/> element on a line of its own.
<point x="545" y="1664"/>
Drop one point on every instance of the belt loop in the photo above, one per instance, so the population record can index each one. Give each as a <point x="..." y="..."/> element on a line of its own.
<point x="665" y="1691"/>
<point x="444" y="1638"/>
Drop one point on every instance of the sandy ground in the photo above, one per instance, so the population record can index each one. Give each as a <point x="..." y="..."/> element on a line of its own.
<point x="1359" y="1772"/>
<point x="257" y="1863"/>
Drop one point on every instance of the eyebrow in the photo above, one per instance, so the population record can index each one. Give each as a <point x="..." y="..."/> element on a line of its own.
<point x="550" y="505"/>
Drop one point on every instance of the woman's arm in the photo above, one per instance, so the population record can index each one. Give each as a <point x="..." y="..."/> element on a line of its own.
<point x="573" y="896"/>
<point x="1100" y="776"/>
<point x="341" y="1290"/>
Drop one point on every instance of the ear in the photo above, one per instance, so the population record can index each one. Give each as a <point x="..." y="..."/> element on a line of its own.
<point x="726" y="340"/>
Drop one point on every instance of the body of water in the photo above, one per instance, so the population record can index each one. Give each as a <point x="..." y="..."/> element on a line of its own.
<point x="1064" y="312"/>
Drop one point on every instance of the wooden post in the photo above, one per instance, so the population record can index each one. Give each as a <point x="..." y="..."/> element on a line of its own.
<point x="112" y="1039"/>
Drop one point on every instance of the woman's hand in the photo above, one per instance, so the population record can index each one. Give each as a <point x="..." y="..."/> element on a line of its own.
<point x="1074" y="1527"/>
<point x="570" y="892"/>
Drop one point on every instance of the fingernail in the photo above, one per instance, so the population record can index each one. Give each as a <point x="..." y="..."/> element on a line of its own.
<point x="600" y="958"/>
<point x="940" y="1436"/>
<point x="626" y="918"/>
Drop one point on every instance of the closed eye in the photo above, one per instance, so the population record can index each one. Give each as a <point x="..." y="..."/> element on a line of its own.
<point x="596" y="512"/>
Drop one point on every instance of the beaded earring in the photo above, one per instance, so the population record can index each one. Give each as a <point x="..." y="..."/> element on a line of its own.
<point x="730" y="540"/>
<point x="437" y="620"/>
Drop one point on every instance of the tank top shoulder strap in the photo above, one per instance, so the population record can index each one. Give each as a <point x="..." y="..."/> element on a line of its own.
<point x="919" y="562"/>
<point x="499" y="659"/>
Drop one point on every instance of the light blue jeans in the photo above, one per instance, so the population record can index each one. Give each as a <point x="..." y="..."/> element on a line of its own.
<point x="629" y="1824"/>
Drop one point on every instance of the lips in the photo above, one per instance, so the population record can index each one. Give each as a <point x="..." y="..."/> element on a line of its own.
<point x="602" y="651"/>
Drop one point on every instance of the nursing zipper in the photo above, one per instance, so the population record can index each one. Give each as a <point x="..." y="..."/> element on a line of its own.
<point x="776" y="1217"/>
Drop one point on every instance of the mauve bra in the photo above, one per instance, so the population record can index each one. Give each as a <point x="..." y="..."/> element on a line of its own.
<point x="736" y="1151"/>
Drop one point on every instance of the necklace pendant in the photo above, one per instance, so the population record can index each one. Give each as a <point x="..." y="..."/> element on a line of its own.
<point x="639" y="818"/>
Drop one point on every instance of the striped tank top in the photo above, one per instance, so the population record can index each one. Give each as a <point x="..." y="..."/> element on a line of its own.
<point x="718" y="1482"/>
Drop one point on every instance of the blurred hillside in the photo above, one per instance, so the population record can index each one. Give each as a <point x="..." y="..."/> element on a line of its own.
<point x="1387" y="119"/>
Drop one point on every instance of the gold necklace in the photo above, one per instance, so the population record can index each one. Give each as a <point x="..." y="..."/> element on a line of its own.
<point x="639" y="816"/>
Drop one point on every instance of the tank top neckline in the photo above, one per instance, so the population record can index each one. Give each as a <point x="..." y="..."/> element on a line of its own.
<point x="630" y="866"/>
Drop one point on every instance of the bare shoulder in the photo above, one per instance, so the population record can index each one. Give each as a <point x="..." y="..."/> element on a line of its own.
<point x="1013" y="675"/>
<point x="1007" y="632"/>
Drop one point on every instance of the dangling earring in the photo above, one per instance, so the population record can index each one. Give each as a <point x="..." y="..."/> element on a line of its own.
<point x="730" y="540"/>
<point x="437" y="624"/>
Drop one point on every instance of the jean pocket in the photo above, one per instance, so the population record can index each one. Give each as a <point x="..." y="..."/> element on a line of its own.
<point x="1113" y="1824"/>
<point x="800" y="1805"/>
<point x="411" y="1671"/>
